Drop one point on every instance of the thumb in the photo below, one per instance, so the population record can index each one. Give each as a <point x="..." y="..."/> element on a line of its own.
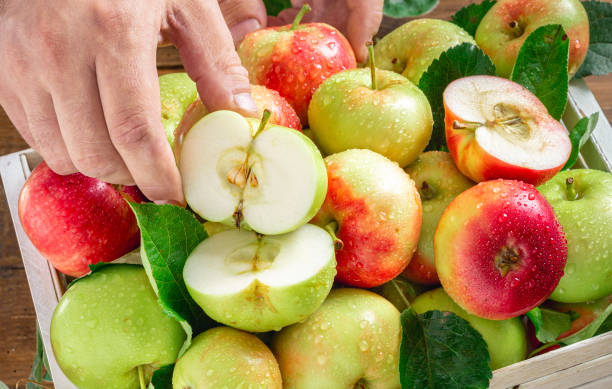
<point x="198" y="30"/>
<point x="243" y="17"/>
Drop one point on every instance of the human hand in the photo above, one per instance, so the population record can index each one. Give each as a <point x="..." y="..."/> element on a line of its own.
<point x="79" y="81"/>
<point x="358" y="20"/>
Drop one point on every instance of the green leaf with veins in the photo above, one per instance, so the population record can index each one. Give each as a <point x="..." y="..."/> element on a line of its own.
<point x="275" y="6"/>
<point x="579" y="135"/>
<point x="457" y="62"/>
<point x="408" y="8"/>
<point x="442" y="350"/>
<point x="469" y="17"/>
<point x="168" y="235"/>
<point x="541" y="67"/>
<point x="162" y="378"/>
<point x="598" y="61"/>
<point x="549" y="324"/>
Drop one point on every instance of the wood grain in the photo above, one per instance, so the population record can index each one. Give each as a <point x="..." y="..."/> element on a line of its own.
<point x="17" y="319"/>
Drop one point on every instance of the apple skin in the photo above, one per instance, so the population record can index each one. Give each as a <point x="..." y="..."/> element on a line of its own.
<point x="295" y="62"/>
<point x="412" y="47"/>
<point x="500" y="41"/>
<point x="223" y="357"/>
<point x="586" y="222"/>
<point x="75" y="220"/>
<point x="354" y="338"/>
<point x="499" y="249"/>
<point x="378" y="212"/>
<point x="107" y="324"/>
<point x="506" y="339"/>
<point x="177" y="92"/>
<point x="477" y="163"/>
<point x="394" y="120"/>
<point x="443" y="183"/>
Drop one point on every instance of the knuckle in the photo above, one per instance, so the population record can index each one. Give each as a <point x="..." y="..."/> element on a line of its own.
<point x="131" y="130"/>
<point x="111" y="17"/>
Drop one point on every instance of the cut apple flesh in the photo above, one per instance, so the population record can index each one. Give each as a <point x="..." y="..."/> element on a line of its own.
<point x="509" y="122"/>
<point x="272" y="181"/>
<point x="260" y="283"/>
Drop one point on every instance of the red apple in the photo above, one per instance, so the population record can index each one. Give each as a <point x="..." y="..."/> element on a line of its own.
<point x="75" y="220"/>
<point x="495" y="128"/>
<point x="295" y="59"/>
<point x="374" y="209"/>
<point x="499" y="249"/>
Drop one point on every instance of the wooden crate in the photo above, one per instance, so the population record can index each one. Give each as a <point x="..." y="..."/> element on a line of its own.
<point x="587" y="364"/>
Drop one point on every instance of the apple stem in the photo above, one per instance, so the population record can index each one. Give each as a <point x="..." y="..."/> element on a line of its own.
<point x="298" y="18"/>
<point x="264" y="121"/>
<point x="570" y="190"/>
<point x="331" y="229"/>
<point x="399" y="291"/>
<point x="372" y="64"/>
<point x="141" y="378"/>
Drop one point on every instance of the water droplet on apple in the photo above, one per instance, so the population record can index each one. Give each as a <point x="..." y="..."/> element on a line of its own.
<point x="363" y="345"/>
<point x="321" y="359"/>
<point x="570" y="268"/>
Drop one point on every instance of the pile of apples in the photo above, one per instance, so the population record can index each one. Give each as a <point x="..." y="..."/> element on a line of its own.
<point x="295" y="239"/>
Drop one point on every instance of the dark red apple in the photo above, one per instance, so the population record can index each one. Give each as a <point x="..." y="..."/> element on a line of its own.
<point x="75" y="220"/>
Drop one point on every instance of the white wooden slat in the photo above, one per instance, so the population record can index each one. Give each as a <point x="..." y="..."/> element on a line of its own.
<point x="570" y="378"/>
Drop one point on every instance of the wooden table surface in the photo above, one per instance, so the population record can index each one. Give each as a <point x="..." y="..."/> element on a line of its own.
<point x="17" y="318"/>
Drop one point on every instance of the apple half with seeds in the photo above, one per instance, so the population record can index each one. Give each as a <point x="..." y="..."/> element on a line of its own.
<point x="243" y="172"/>
<point x="261" y="283"/>
<point x="495" y="128"/>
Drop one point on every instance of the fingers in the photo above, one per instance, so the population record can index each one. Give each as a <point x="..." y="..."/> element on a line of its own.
<point x="364" y="19"/>
<point x="197" y="29"/>
<point x="129" y="92"/>
<point x="14" y="110"/>
<point x="243" y="17"/>
<point x="84" y="130"/>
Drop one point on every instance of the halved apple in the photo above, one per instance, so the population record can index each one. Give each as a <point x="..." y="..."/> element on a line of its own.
<point x="495" y="128"/>
<point x="267" y="178"/>
<point x="261" y="283"/>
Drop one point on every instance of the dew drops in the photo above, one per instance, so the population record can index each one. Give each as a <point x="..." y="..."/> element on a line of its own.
<point x="363" y="345"/>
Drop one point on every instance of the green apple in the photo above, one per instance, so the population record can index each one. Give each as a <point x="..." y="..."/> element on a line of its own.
<point x="238" y="171"/>
<point x="109" y="326"/>
<point x="177" y="91"/>
<point x="505" y="339"/>
<point x="582" y="201"/>
<point x="412" y="47"/>
<point x="438" y="182"/>
<point x="352" y="341"/>
<point x="261" y="283"/>
<point x="223" y="357"/>
<point x="508" y="23"/>
<point x="371" y="109"/>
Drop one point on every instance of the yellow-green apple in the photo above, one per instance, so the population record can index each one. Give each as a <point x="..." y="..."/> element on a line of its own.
<point x="108" y="328"/>
<point x="377" y="110"/>
<point x="374" y="209"/>
<point x="412" y="47"/>
<point x="223" y="357"/>
<point x="499" y="249"/>
<point x="495" y="128"/>
<point x="75" y="220"/>
<point x="261" y="283"/>
<point x="247" y="173"/>
<point x="506" y="339"/>
<point x="352" y="341"/>
<point x="177" y="92"/>
<point x="295" y="59"/>
<point x="508" y="23"/>
<point x="582" y="200"/>
<point x="438" y="181"/>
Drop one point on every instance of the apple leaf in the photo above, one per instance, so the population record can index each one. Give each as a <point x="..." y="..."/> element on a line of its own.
<point x="599" y="57"/>
<point x="168" y="235"/>
<point x="541" y="67"/>
<point x="400" y="292"/>
<point x="459" y="61"/>
<point x="469" y="17"/>
<point x="162" y="378"/>
<point x="579" y="135"/>
<point x="441" y="350"/>
<point x="275" y="6"/>
<point x="589" y="330"/>
<point x="408" y="8"/>
<point x="549" y="324"/>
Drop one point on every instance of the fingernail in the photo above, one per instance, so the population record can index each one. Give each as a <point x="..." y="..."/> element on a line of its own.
<point x="240" y="30"/>
<point x="245" y="102"/>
